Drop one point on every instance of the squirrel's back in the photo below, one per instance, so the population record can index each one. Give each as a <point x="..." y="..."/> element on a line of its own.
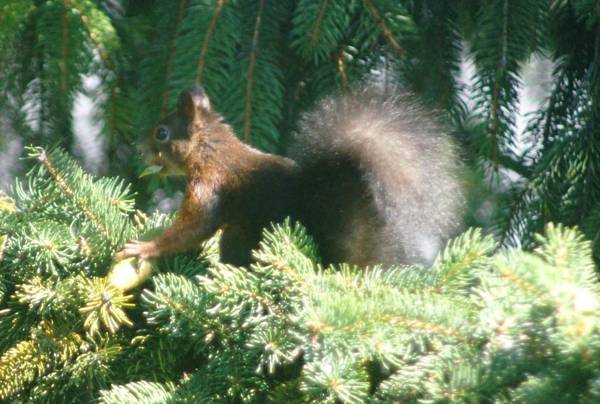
<point x="380" y="181"/>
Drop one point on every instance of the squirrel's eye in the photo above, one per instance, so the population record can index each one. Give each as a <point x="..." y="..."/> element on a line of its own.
<point x="162" y="134"/>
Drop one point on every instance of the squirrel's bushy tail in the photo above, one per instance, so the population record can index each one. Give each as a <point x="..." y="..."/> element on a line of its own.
<point x="381" y="179"/>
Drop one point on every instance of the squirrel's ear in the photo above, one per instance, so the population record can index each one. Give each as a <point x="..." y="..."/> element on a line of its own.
<point x="192" y="99"/>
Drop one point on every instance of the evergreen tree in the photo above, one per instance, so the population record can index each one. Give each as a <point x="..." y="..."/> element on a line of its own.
<point x="263" y="62"/>
<point x="483" y="324"/>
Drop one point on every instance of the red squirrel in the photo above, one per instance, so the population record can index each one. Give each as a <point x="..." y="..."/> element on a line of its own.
<point x="372" y="177"/>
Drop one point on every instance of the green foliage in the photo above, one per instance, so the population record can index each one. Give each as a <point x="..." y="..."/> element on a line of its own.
<point x="139" y="392"/>
<point x="320" y="27"/>
<point x="508" y="32"/>
<point x="481" y="323"/>
<point x="13" y="12"/>
<point x="484" y="323"/>
<point x="97" y="212"/>
<point x="264" y="62"/>
<point x="560" y="182"/>
<point x="59" y="233"/>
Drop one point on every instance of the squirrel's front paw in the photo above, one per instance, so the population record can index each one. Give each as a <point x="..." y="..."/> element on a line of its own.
<point x="138" y="248"/>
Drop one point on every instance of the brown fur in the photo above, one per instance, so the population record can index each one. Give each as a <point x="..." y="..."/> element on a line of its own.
<point x="362" y="186"/>
<point x="231" y="186"/>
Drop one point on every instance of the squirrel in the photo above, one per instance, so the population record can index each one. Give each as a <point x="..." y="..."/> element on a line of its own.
<point x="373" y="178"/>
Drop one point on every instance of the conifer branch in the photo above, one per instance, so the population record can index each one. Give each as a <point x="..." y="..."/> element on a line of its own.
<point x="29" y="359"/>
<point x="316" y="28"/>
<point x="207" y="37"/>
<point x="162" y="300"/>
<point x="413" y="323"/>
<point x="3" y="239"/>
<point x="393" y="320"/>
<point x="171" y="57"/>
<point x="42" y="157"/>
<point x="7" y="204"/>
<point x="495" y="102"/>
<point x="480" y="324"/>
<point x="104" y="56"/>
<point x="105" y="307"/>
<point x="251" y="70"/>
<point x="65" y="49"/>
<point x="19" y="366"/>
<point x="341" y="66"/>
<point x="140" y="391"/>
<point x="509" y="275"/>
<point x="384" y="28"/>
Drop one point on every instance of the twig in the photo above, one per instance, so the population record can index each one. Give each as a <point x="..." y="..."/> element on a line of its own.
<point x="251" y="70"/>
<point x="62" y="184"/>
<point x="165" y="100"/>
<point x="207" y="38"/>
<point x="65" y="51"/>
<point x="386" y="31"/>
<point x="314" y="32"/>
<point x="106" y="60"/>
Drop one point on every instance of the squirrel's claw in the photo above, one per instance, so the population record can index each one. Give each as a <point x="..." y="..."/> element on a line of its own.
<point x="137" y="248"/>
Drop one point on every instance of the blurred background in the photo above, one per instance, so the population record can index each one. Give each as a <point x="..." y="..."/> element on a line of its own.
<point x="516" y="82"/>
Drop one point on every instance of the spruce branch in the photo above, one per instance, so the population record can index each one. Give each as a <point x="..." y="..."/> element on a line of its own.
<point x="42" y="156"/>
<point x="99" y="29"/>
<point x="251" y="71"/>
<point x="64" y="65"/>
<point x="105" y="307"/>
<point x="51" y="248"/>
<point x="52" y="300"/>
<point x="342" y="69"/>
<point x="99" y="207"/>
<point x="79" y="379"/>
<point x="29" y="359"/>
<point x="335" y="378"/>
<point x="171" y="57"/>
<point x="19" y="366"/>
<point x="7" y="204"/>
<point x="507" y="273"/>
<point x="207" y="38"/>
<point x="139" y="392"/>
<point x="566" y="249"/>
<point x="456" y="266"/>
<point x="13" y="13"/>
<point x="230" y="376"/>
<point x="253" y="85"/>
<point x="509" y="32"/>
<point x="176" y="306"/>
<point x="320" y="27"/>
<point x="387" y="33"/>
<point x="3" y="240"/>
<point x="432" y="63"/>
<point x="276" y="347"/>
<point x="316" y="28"/>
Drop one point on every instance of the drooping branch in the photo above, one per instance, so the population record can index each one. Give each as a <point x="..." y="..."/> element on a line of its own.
<point x="207" y="38"/>
<point x="171" y="59"/>
<point x="341" y="66"/>
<point x="105" y="57"/>
<point x="316" y="28"/>
<point x="65" y="51"/>
<point x="251" y="73"/>
<point x="496" y="90"/>
<point x="384" y="28"/>
<point x="42" y="157"/>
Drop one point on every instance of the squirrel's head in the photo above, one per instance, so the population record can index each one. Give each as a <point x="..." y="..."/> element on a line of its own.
<point x="170" y="143"/>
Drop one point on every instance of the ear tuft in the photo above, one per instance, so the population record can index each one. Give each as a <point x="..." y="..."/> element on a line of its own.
<point x="192" y="99"/>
